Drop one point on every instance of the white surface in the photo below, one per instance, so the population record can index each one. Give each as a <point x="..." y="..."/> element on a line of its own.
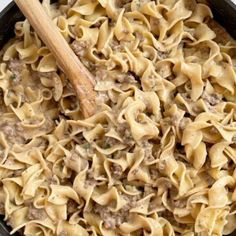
<point x="4" y="3"/>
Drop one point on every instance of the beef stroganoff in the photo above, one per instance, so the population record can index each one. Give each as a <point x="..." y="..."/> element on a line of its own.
<point x="158" y="157"/>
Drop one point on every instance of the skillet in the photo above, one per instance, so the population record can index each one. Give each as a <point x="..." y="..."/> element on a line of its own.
<point x="224" y="12"/>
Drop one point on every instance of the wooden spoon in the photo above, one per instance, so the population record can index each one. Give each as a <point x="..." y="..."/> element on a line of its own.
<point x="79" y="76"/>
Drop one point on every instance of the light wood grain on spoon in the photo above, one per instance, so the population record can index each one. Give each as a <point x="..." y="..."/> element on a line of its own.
<point x="79" y="76"/>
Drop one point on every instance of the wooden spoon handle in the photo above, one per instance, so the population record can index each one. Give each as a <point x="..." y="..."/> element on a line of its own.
<point x="79" y="76"/>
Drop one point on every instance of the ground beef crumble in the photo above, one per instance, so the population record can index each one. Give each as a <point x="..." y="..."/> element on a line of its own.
<point x="116" y="170"/>
<point x="121" y="3"/>
<point x="16" y="67"/>
<point x="148" y="147"/>
<point x="90" y="181"/>
<point x="72" y="206"/>
<point x="36" y="214"/>
<point x="80" y="47"/>
<point x="127" y="78"/>
<point x="154" y="173"/>
<point x="13" y="132"/>
<point x="212" y="99"/>
<point x="124" y="132"/>
<point x="115" y="219"/>
<point x="179" y="203"/>
<point x="111" y="219"/>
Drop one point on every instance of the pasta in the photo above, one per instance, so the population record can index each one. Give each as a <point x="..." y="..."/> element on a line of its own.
<point x="159" y="156"/>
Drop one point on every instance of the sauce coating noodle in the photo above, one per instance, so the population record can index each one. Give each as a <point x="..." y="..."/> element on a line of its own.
<point x="159" y="156"/>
